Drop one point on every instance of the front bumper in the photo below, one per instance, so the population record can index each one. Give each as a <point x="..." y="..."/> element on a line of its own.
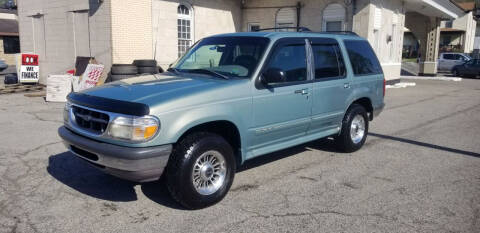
<point x="136" y="164"/>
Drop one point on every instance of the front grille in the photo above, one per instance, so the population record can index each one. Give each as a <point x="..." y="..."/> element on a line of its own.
<point x="90" y="120"/>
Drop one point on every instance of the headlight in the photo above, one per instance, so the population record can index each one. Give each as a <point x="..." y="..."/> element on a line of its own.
<point x="134" y="128"/>
<point x="66" y="112"/>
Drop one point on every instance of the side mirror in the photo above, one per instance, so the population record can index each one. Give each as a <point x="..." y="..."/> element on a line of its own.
<point x="273" y="75"/>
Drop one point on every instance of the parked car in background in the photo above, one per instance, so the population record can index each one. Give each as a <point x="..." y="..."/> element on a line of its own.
<point x="447" y="61"/>
<point x="230" y="98"/>
<point x="470" y="68"/>
<point x="3" y="65"/>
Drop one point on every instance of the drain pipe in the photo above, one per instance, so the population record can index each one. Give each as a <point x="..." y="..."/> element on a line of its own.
<point x="299" y="7"/>
<point x="354" y="10"/>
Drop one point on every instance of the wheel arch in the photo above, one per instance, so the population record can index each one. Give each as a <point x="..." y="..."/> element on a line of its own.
<point x="225" y="128"/>
<point x="366" y="102"/>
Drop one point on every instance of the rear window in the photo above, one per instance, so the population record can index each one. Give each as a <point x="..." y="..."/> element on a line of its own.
<point x="363" y="59"/>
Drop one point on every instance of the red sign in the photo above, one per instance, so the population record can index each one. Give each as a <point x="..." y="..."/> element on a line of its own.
<point x="29" y="60"/>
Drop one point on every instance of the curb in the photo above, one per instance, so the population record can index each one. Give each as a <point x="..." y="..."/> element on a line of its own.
<point x="455" y="79"/>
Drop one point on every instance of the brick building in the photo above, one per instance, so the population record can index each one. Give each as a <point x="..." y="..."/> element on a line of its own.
<point x="9" y="39"/>
<point x="117" y="31"/>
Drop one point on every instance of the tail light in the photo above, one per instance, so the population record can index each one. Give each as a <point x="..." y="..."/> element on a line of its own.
<point x="384" y="85"/>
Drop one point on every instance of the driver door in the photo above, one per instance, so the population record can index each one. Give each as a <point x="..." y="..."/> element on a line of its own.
<point x="282" y="110"/>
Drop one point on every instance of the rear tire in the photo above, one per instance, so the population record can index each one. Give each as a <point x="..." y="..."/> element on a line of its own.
<point x="354" y="129"/>
<point x="148" y="70"/>
<point x="196" y="180"/>
<point x="145" y="63"/>
<point x="118" y="77"/>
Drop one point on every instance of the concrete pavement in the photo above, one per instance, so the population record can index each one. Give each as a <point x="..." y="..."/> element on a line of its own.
<point x="418" y="172"/>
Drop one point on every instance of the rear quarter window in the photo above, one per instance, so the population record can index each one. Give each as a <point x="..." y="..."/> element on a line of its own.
<point x="362" y="57"/>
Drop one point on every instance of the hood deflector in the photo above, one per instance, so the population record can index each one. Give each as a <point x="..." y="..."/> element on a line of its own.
<point x="109" y="105"/>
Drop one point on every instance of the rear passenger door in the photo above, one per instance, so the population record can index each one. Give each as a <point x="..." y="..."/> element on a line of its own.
<point x="448" y="61"/>
<point x="331" y="85"/>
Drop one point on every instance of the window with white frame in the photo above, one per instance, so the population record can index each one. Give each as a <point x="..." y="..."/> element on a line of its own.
<point x="253" y="27"/>
<point x="334" y="17"/>
<point x="184" y="28"/>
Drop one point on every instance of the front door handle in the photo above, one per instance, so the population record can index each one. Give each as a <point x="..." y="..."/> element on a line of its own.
<point x="346" y="85"/>
<point x="302" y="91"/>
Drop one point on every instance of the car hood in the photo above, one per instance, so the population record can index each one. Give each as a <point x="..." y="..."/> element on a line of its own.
<point x="156" y="89"/>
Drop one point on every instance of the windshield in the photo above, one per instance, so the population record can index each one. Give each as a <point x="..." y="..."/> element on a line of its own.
<point x="228" y="56"/>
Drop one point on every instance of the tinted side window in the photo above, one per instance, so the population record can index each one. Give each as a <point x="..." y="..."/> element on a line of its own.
<point x="292" y="60"/>
<point x="328" y="61"/>
<point x="363" y="59"/>
<point x="448" y="57"/>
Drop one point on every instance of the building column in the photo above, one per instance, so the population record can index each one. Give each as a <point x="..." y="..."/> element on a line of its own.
<point x="429" y="50"/>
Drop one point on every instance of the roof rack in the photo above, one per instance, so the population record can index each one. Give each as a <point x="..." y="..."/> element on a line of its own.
<point x="298" y="29"/>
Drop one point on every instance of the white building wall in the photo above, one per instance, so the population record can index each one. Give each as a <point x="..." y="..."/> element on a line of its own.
<point x="262" y="12"/>
<point x="131" y="23"/>
<point x="209" y="17"/>
<point x="467" y="24"/>
<point x="47" y="28"/>
<point x="385" y="36"/>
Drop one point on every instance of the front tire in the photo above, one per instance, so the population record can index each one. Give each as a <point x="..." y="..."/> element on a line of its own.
<point x="201" y="170"/>
<point x="354" y="129"/>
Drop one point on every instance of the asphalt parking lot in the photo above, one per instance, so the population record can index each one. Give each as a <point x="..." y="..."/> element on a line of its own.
<point x="418" y="172"/>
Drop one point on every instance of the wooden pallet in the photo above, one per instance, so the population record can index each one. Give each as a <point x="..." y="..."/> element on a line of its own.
<point x="20" y="88"/>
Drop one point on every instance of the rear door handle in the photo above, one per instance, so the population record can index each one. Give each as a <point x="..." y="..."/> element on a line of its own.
<point x="346" y="85"/>
<point x="302" y="91"/>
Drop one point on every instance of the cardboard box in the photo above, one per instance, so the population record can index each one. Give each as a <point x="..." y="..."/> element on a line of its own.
<point x="58" y="87"/>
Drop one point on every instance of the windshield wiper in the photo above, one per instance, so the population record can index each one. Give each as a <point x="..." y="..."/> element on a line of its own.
<point x="173" y="70"/>
<point x="205" y="71"/>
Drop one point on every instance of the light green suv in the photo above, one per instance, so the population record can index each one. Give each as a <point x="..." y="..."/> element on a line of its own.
<point x="230" y="98"/>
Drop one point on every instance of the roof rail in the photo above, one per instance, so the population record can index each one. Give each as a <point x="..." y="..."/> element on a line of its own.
<point x="298" y="29"/>
<point x="305" y="29"/>
<point x="339" y="32"/>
